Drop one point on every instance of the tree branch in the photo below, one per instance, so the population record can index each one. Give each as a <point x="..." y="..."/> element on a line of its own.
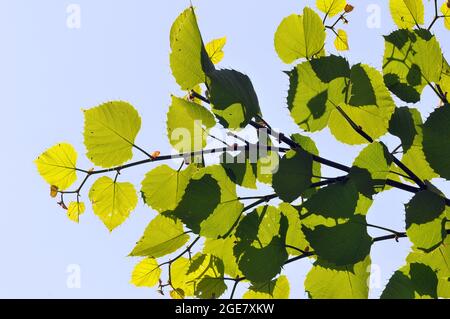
<point x="358" y="129"/>
<point x="436" y="15"/>
<point x="165" y="158"/>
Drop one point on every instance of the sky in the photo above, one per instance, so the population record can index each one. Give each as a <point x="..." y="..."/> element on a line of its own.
<point x="50" y="69"/>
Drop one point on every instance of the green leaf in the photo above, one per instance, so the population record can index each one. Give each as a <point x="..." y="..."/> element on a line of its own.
<point x="319" y="87"/>
<point x="268" y="162"/>
<point x="210" y="288"/>
<point x="109" y="133"/>
<point x="213" y="215"/>
<point x="406" y="123"/>
<point x="222" y="248"/>
<point x="335" y="201"/>
<point x="341" y="41"/>
<point x="371" y="169"/>
<point x="294" y="175"/>
<point x="273" y="289"/>
<point x="425" y="219"/>
<point x="162" y="236"/>
<point x="331" y="7"/>
<point x="327" y="281"/>
<point x="163" y="187"/>
<point x="146" y="273"/>
<point x="445" y="9"/>
<point x="187" y="125"/>
<point x="343" y="244"/>
<point x="57" y="165"/>
<point x="234" y="100"/>
<point x="436" y="141"/>
<point x="370" y="106"/>
<point x="187" y="274"/>
<point x="315" y="87"/>
<point x="294" y="236"/>
<point x="189" y="60"/>
<point x="445" y="76"/>
<point x="259" y="259"/>
<point x="439" y="260"/>
<point x="74" y="210"/>
<point x="309" y="145"/>
<point x="215" y="49"/>
<point x="111" y="201"/>
<point x="300" y="36"/>
<point x="240" y="169"/>
<point x="414" y="280"/>
<point x="412" y="59"/>
<point x="407" y="13"/>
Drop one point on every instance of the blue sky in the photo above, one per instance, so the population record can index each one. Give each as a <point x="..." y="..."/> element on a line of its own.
<point x="49" y="72"/>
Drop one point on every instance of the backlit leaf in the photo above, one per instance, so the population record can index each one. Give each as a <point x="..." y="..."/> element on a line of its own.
<point x="74" y="210"/>
<point x="57" y="165"/>
<point x="436" y="141"/>
<point x="161" y="237"/>
<point x="370" y="106"/>
<point x="111" y="201"/>
<point x="259" y="259"/>
<point x="315" y="88"/>
<point x="215" y="49"/>
<point x="327" y="281"/>
<point x="343" y="244"/>
<point x="146" y="273"/>
<point x="109" y="133"/>
<point x="371" y="169"/>
<point x="273" y="289"/>
<point x="234" y="100"/>
<point x="189" y="60"/>
<point x="341" y="41"/>
<point x="300" y="36"/>
<point x="412" y="59"/>
<point x="210" y="216"/>
<point x="163" y="187"/>
<point x="439" y="260"/>
<point x="445" y="9"/>
<point x="414" y="280"/>
<point x="187" y="125"/>
<point x="331" y="7"/>
<point x="407" y="13"/>
<point x="293" y="176"/>
<point x="425" y="219"/>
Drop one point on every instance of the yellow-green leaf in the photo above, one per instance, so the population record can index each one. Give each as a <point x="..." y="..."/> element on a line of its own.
<point x="294" y="236"/>
<point x="407" y="13"/>
<point x="57" y="165"/>
<point x="327" y="281"/>
<point x="223" y="248"/>
<point x="146" y="273"/>
<point x="331" y="7"/>
<point x="74" y="210"/>
<point x="188" y="59"/>
<point x="300" y="36"/>
<point x="445" y="9"/>
<point x="274" y="289"/>
<point x="341" y="42"/>
<point x="163" y="187"/>
<point x="111" y="201"/>
<point x="109" y="133"/>
<point x="370" y="106"/>
<point x="162" y="236"/>
<point x="186" y="274"/>
<point x="177" y="293"/>
<point x="412" y="59"/>
<point x="215" y="49"/>
<point x="187" y="125"/>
